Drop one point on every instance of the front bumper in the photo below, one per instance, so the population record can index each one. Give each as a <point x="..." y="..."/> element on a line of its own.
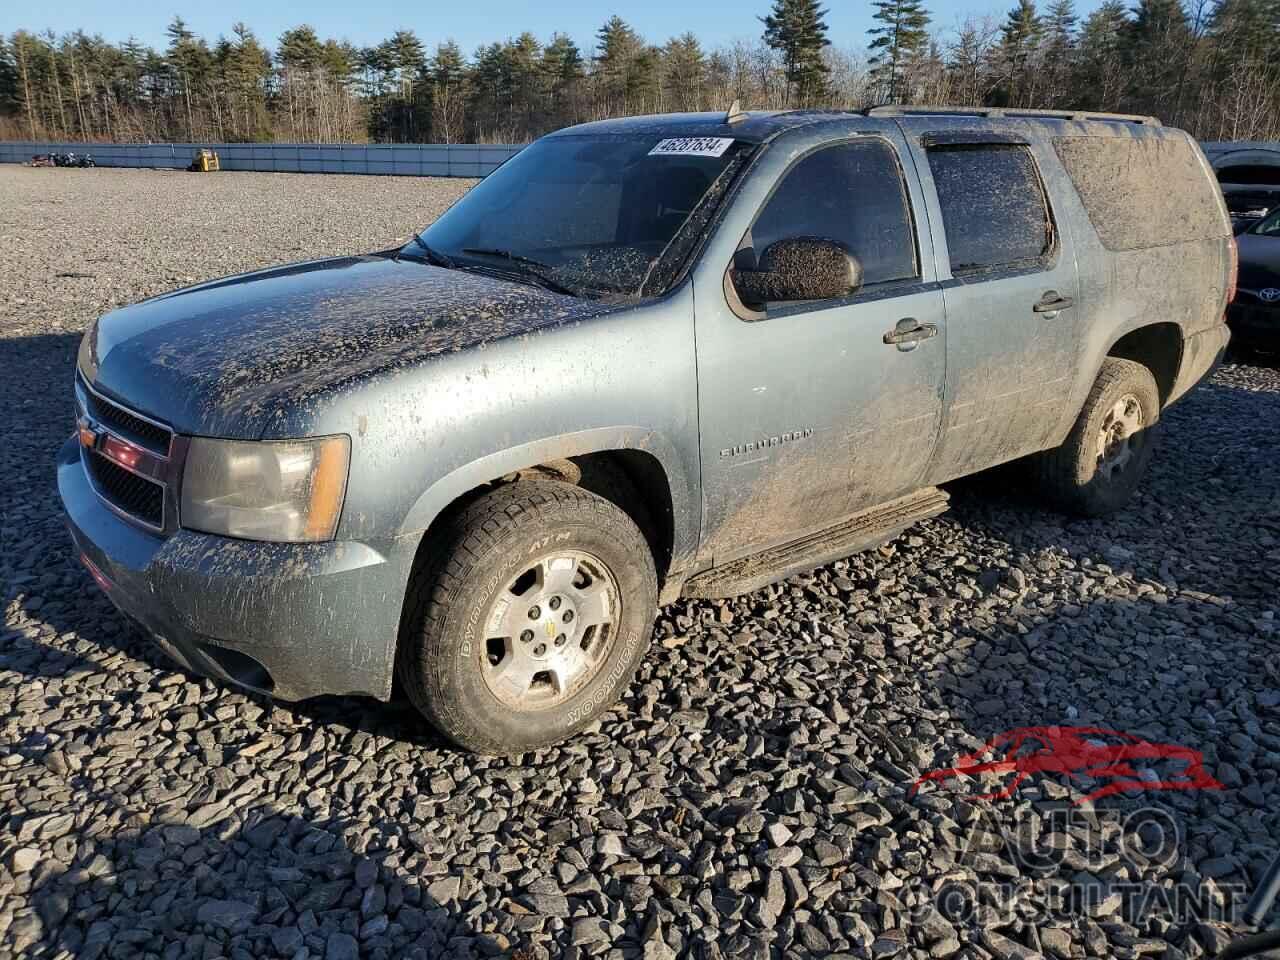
<point x="1254" y="323"/>
<point x="290" y="620"/>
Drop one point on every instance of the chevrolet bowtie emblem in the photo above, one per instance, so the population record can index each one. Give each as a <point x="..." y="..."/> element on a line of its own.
<point x="551" y="630"/>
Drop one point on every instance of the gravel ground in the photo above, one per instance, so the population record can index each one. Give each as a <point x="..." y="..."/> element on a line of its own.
<point x="750" y="796"/>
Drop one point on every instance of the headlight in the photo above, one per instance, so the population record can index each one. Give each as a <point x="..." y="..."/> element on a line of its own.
<point x="289" y="491"/>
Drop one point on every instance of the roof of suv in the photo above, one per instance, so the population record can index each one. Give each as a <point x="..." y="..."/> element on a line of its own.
<point x="754" y="127"/>
<point x="761" y="125"/>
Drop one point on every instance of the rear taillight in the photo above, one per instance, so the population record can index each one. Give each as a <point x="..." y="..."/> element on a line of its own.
<point x="1234" y="267"/>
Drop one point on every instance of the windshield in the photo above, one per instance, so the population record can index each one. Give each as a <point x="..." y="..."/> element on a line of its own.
<point x="1269" y="227"/>
<point x="590" y="214"/>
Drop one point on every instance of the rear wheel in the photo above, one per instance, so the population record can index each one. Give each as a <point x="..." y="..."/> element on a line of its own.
<point x="1106" y="454"/>
<point x="529" y="618"/>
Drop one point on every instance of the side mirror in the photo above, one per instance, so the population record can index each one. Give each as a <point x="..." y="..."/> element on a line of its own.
<point x="800" y="268"/>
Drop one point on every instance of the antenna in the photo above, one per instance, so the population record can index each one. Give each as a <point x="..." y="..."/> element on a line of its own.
<point x="735" y="113"/>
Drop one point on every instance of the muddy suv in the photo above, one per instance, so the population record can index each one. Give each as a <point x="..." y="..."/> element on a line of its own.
<point x="647" y="358"/>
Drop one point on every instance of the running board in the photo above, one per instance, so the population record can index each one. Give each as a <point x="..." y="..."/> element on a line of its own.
<point x="860" y="532"/>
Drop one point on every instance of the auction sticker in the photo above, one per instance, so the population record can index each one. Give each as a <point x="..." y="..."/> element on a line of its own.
<point x="691" y="147"/>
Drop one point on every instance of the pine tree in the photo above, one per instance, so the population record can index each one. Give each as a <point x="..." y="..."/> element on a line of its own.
<point x="644" y="83"/>
<point x="23" y="56"/>
<point x="246" y="67"/>
<point x="798" y="30"/>
<point x="1058" y="52"/>
<point x="901" y="38"/>
<point x="300" y="48"/>
<point x="191" y="60"/>
<point x="9" y="97"/>
<point x="448" y="75"/>
<point x="618" y="51"/>
<point x="133" y="57"/>
<point x="490" y="88"/>
<point x="562" y="67"/>
<point x="1099" y="80"/>
<point x="339" y="59"/>
<point x="1245" y="30"/>
<point x="686" y="72"/>
<point x="1157" y="50"/>
<point x="524" y="61"/>
<point x="1019" y="41"/>
<point x="407" y="57"/>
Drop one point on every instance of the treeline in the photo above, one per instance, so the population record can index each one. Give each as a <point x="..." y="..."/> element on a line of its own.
<point x="1212" y="67"/>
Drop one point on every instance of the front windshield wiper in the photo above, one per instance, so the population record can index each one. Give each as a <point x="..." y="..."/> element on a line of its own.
<point x="535" y="269"/>
<point x="433" y="255"/>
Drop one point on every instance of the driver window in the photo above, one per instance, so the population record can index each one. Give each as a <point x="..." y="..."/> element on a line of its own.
<point x="851" y="193"/>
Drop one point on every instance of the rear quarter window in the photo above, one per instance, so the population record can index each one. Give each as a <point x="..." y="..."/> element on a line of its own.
<point x="1143" y="192"/>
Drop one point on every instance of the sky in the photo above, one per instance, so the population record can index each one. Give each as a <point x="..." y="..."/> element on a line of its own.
<point x="715" y="22"/>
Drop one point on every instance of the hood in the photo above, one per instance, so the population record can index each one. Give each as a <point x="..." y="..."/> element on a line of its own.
<point x="217" y="359"/>
<point x="1259" y="261"/>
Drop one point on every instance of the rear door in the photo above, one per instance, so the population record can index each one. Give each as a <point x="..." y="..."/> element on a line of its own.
<point x="1008" y="275"/>
<point x="806" y="413"/>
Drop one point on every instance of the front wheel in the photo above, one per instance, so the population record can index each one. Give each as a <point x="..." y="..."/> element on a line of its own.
<point x="1100" y="464"/>
<point x="528" y="618"/>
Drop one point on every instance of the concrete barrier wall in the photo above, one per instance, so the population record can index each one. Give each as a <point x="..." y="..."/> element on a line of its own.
<point x="400" y="159"/>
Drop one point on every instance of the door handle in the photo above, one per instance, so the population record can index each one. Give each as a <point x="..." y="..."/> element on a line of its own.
<point x="1051" y="302"/>
<point x="908" y="332"/>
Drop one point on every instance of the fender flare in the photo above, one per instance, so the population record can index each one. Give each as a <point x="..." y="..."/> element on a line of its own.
<point x="1092" y="359"/>
<point x="444" y="491"/>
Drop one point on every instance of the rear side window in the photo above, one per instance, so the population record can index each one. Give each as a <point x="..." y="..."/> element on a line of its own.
<point x="993" y="206"/>
<point x="851" y="193"/>
<point x="1143" y="192"/>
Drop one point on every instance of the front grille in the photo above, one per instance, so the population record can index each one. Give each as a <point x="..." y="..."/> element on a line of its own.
<point x="135" y="495"/>
<point x="1255" y="316"/>
<point x="129" y="425"/>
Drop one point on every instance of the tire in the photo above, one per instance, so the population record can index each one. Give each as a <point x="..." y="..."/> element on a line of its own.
<point x="469" y="648"/>
<point x="1078" y="477"/>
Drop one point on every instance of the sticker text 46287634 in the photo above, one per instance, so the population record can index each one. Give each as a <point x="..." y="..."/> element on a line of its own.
<point x="691" y="147"/>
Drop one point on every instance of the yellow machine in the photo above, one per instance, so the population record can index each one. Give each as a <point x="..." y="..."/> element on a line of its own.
<point x="204" y="161"/>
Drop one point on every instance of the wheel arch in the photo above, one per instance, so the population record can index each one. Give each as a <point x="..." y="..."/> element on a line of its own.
<point x="1158" y="347"/>
<point x="637" y="468"/>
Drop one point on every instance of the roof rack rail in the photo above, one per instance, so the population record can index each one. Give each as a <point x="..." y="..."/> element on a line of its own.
<point x="1013" y="113"/>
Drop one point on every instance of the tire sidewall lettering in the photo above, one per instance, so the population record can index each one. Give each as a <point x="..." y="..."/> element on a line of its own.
<point x="593" y="700"/>
<point x="477" y="611"/>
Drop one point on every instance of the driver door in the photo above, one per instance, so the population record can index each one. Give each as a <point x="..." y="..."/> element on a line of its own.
<point x="807" y="415"/>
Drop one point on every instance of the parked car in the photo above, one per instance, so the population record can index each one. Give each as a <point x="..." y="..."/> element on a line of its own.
<point x="1254" y="314"/>
<point x="1250" y="175"/>
<point x="667" y="356"/>
<point x="1249" y="203"/>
